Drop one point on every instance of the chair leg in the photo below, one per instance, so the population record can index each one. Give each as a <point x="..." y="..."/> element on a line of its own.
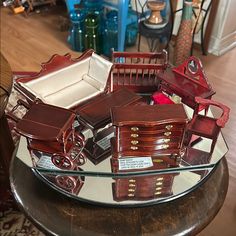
<point x="213" y="145"/>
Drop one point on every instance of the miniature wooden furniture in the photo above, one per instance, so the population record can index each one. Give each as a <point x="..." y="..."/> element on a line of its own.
<point x="71" y="184"/>
<point x="50" y="129"/>
<point x="67" y="214"/>
<point x="138" y="71"/>
<point x="145" y="130"/>
<point x="67" y="82"/>
<point x="187" y="81"/>
<point x="143" y="188"/>
<point x="204" y="126"/>
<point x="96" y="115"/>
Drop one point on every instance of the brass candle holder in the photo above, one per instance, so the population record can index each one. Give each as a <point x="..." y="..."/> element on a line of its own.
<point x="155" y="19"/>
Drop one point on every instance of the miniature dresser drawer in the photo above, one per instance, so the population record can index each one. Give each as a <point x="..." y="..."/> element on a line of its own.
<point x="152" y="129"/>
<point x="143" y="188"/>
<point x="149" y="130"/>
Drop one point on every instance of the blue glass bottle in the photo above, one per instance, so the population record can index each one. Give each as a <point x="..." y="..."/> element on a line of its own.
<point x="76" y="33"/>
<point x="131" y="28"/>
<point x="110" y="33"/>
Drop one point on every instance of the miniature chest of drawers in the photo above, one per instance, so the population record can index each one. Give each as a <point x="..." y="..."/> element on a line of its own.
<point x="146" y="130"/>
<point x="144" y="187"/>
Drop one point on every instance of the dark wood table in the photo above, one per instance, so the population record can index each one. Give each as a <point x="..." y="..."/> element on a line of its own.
<point x="56" y="214"/>
<point x="96" y="113"/>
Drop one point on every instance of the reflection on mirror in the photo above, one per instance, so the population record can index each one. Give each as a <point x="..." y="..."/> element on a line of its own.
<point x="123" y="147"/>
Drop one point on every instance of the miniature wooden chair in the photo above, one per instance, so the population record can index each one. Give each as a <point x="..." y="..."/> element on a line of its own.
<point x="205" y="126"/>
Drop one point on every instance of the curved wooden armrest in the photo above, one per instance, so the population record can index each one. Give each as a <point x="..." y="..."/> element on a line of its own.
<point x="225" y="110"/>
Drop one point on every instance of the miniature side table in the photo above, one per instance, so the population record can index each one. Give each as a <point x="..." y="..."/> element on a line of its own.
<point x="71" y="217"/>
<point x="96" y="114"/>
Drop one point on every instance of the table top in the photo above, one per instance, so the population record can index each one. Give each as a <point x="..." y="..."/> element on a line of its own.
<point x="72" y="217"/>
<point x="5" y="82"/>
<point x="96" y="113"/>
<point x="45" y="122"/>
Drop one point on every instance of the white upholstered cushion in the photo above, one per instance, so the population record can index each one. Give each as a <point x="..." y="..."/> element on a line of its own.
<point x="73" y="84"/>
<point x="99" y="69"/>
<point x="57" y="80"/>
<point x="72" y="95"/>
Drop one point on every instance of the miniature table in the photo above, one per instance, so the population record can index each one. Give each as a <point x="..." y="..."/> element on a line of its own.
<point x="96" y="113"/>
<point x="72" y="217"/>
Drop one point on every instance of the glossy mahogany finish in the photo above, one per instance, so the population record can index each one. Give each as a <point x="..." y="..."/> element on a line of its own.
<point x="137" y="71"/>
<point x="143" y="188"/>
<point x="205" y="126"/>
<point x="96" y="113"/>
<point x="71" y="217"/>
<point x="187" y="81"/>
<point x="55" y="63"/>
<point x="50" y="129"/>
<point x="149" y="130"/>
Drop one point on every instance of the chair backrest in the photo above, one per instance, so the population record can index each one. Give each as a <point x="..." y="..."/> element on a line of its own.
<point x="221" y="121"/>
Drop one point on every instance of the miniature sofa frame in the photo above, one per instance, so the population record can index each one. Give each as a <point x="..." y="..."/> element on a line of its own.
<point x="66" y="82"/>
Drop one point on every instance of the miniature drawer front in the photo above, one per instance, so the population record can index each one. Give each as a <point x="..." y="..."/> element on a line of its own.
<point x="150" y="134"/>
<point x="141" y="148"/>
<point x="159" y="142"/>
<point x="156" y="129"/>
<point x="141" y="188"/>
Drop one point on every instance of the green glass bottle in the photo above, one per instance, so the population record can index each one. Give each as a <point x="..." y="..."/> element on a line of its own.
<point x="92" y="32"/>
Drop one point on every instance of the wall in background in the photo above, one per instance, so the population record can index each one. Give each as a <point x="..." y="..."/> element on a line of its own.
<point x="223" y="36"/>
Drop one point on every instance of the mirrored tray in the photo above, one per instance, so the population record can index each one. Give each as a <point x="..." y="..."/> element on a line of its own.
<point x="98" y="184"/>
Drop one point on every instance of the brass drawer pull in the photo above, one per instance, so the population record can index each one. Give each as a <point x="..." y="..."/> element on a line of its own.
<point x="132" y="185"/>
<point x="165" y="140"/>
<point x="134" y="128"/>
<point x="131" y="190"/>
<point x="157" y="160"/>
<point x="158" y="188"/>
<point x="167" y="133"/>
<point x="169" y="127"/>
<point x="133" y="148"/>
<point x="158" y="183"/>
<point x="160" y="178"/>
<point x="134" y="142"/>
<point x="130" y="195"/>
<point x="132" y="180"/>
<point x="157" y="193"/>
<point x="164" y="146"/>
<point x="134" y="135"/>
